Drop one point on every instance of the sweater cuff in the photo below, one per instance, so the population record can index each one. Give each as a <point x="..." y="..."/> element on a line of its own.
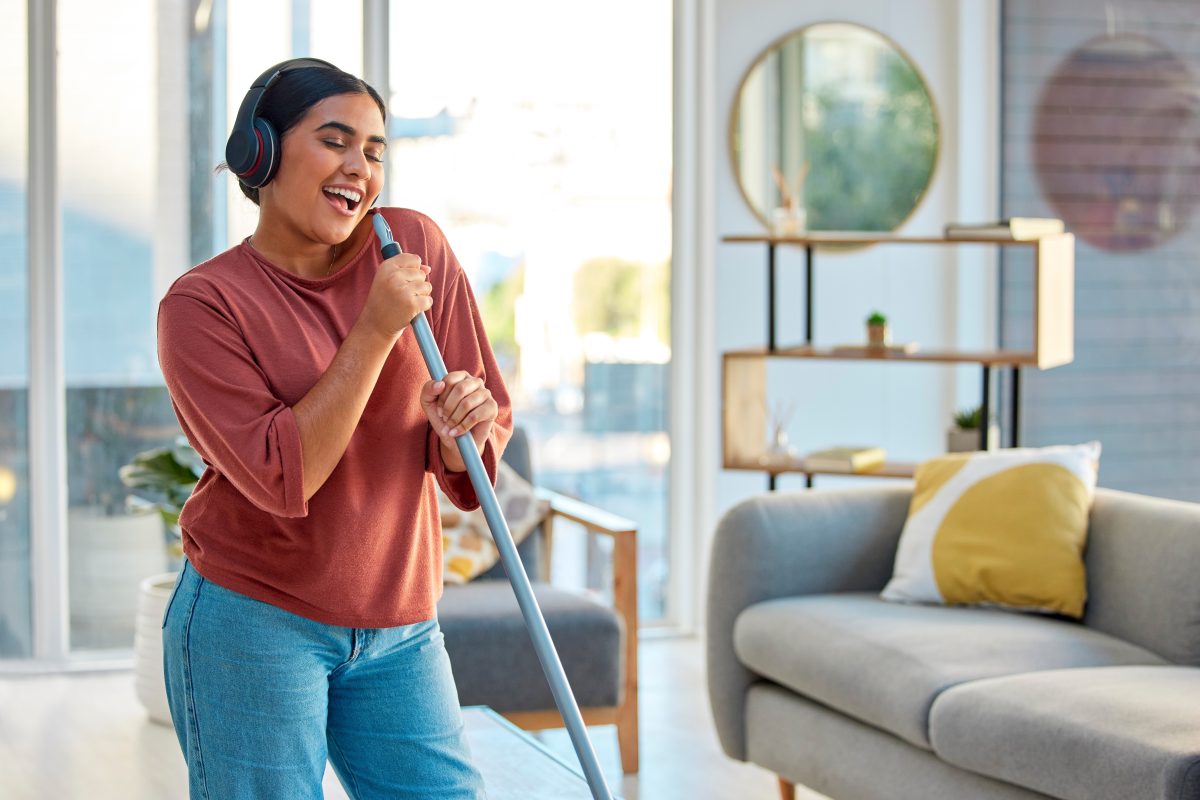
<point x="457" y="486"/>
<point x="291" y="459"/>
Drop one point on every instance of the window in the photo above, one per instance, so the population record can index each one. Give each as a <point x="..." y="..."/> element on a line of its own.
<point x="538" y="136"/>
<point x="16" y="634"/>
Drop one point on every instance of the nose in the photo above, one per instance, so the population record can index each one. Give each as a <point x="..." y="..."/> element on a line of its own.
<point x="356" y="163"/>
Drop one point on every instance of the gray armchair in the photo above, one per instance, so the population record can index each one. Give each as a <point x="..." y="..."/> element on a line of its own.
<point x="490" y="651"/>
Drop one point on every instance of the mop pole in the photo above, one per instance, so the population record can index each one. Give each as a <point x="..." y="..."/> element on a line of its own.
<point x="534" y="621"/>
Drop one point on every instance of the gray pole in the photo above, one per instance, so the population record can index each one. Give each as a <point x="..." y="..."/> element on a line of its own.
<point x="534" y="621"/>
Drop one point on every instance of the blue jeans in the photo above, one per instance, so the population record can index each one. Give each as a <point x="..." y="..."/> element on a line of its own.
<point x="261" y="697"/>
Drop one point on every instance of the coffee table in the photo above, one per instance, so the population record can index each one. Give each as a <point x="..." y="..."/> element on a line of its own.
<point x="515" y="766"/>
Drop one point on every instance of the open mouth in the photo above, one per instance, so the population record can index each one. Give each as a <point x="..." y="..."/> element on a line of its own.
<point x="344" y="200"/>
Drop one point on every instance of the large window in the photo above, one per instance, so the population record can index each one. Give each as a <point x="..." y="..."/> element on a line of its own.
<point x="16" y="623"/>
<point x="537" y="134"/>
<point x="545" y="159"/>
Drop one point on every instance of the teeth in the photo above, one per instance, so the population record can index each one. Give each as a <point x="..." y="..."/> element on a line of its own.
<point x="349" y="194"/>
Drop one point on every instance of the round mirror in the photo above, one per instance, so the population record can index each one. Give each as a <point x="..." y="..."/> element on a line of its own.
<point x="833" y="130"/>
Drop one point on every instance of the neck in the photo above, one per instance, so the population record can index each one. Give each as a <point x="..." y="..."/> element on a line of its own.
<point x="298" y="255"/>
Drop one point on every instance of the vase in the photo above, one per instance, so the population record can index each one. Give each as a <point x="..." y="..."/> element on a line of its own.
<point x="788" y="221"/>
<point x="150" y="683"/>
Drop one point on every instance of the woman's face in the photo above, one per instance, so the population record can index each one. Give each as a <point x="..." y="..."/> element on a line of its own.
<point x="330" y="169"/>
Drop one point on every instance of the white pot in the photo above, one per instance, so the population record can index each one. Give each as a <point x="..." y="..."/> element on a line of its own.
<point x="148" y="678"/>
<point x="960" y="440"/>
<point x="109" y="555"/>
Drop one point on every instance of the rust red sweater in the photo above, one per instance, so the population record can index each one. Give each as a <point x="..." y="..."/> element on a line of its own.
<point x="240" y="341"/>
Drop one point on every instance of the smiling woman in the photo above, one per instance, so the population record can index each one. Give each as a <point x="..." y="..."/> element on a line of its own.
<point x="308" y="595"/>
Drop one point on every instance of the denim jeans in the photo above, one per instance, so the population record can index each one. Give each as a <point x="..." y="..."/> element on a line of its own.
<point x="261" y="697"/>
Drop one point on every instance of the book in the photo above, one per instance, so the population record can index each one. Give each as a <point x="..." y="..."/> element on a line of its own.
<point x="1013" y="228"/>
<point x="845" y="459"/>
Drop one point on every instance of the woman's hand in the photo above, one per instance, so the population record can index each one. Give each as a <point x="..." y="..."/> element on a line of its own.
<point x="400" y="291"/>
<point x="459" y="403"/>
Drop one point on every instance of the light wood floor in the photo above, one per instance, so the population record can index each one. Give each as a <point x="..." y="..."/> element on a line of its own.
<point x="87" y="737"/>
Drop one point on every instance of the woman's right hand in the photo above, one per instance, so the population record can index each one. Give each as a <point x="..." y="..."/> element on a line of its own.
<point x="400" y="291"/>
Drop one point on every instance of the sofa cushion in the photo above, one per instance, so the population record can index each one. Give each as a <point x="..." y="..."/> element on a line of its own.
<point x="1078" y="734"/>
<point x="1002" y="528"/>
<point x="493" y="659"/>
<point x="468" y="549"/>
<point x="885" y="663"/>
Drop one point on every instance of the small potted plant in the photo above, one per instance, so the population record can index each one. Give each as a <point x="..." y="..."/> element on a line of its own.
<point x="964" y="436"/>
<point x="877" y="330"/>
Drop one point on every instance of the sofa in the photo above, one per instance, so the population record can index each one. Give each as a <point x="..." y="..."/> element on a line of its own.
<point x="815" y="678"/>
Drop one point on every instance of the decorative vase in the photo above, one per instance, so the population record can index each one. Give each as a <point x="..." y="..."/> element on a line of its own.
<point x="789" y="220"/>
<point x="149" y="680"/>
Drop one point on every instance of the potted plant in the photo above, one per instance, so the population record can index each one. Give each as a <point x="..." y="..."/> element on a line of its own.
<point x="963" y="437"/>
<point x="877" y="330"/>
<point x="163" y="479"/>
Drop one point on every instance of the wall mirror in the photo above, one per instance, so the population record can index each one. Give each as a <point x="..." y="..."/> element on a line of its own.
<point x="837" y="118"/>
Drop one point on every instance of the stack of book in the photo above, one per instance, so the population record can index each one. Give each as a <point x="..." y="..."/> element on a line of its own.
<point x="1017" y="229"/>
<point x="845" y="459"/>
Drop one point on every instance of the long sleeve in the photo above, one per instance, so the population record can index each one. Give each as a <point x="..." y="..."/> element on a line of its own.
<point x="226" y="407"/>
<point x="458" y="329"/>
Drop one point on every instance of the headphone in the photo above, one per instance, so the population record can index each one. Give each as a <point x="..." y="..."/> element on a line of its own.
<point x="252" y="151"/>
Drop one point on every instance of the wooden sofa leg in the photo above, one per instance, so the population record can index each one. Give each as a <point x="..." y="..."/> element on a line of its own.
<point x="787" y="790"/>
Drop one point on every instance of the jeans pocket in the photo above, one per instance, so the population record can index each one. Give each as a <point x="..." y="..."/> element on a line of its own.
<point x="174" y="593"/>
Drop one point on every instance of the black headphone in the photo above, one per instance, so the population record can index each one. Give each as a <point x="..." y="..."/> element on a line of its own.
<point x="252" y="152"/>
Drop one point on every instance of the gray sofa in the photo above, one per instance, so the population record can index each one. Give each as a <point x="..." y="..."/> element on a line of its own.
<point x="813" y="677"/>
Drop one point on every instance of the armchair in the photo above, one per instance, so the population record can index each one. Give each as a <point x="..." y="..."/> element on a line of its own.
<point x="490" y="651"/>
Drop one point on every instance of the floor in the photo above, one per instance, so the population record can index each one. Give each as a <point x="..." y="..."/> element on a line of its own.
<point x="86" y="736"/>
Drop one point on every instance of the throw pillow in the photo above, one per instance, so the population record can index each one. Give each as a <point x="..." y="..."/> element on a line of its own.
<point x="467" y="545"/>
<point x="1003" y="528"/>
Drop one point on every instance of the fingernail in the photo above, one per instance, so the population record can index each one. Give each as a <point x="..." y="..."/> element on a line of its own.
<point x="454" y="431"/>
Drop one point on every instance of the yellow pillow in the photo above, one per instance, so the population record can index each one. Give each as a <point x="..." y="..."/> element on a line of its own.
<point x="467" y="546"/>
<point x="1002" y="528"/>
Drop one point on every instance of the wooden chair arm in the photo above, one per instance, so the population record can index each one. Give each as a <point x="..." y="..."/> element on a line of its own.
<point x="625" y="592"/>
<point x="592" y="518"/>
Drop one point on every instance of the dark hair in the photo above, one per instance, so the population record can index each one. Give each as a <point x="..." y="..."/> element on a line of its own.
<point x="298" y="90"/>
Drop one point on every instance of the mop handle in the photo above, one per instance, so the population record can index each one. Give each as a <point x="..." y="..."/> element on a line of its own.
<point x="534" y="621"/>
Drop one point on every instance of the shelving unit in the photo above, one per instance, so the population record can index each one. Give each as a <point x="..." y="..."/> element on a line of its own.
<point x="743" y="379"/>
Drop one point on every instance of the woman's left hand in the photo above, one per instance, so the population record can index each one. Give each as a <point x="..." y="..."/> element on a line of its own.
<point x="460" y="402"/>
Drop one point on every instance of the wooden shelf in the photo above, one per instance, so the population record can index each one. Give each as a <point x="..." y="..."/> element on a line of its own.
<point x="889" y="469"/>
<point x="868" y="237"/>
<point x="994" y="357"/>
<point x="744" y="371"/>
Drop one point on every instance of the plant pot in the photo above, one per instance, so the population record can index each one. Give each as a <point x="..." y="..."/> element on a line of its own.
<point x="966" y="440"/>
<point x="149" y="681"/>
<point x="878" y="336"/>
<point x="109" y="555"/>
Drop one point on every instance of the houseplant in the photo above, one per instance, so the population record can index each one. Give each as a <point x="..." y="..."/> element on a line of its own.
<point x="963" y="437"/>
<point x="877" y="330"/>
<point x="163" y="478"/>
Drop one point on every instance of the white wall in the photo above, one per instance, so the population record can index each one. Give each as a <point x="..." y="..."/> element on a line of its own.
<point x="933" y="295"/>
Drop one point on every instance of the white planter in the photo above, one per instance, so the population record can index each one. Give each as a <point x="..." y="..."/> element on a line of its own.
<point x="108" y="556"/>
<point x="149" y="682"/>
<point x="959" y="440"/>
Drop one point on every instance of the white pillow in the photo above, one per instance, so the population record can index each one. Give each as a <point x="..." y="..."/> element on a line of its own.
<point x="1001" y="528"/>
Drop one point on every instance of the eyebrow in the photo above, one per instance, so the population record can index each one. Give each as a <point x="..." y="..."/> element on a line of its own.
<point x="346" y="129"/>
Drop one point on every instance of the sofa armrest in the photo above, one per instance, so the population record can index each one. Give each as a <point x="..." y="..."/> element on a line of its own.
<point x="786" y="544"/>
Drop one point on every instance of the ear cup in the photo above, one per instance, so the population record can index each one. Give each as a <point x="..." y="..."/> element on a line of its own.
<point x="262" y="169"/>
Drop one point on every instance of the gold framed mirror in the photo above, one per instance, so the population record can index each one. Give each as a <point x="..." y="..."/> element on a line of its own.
<point x="836" y="117"/>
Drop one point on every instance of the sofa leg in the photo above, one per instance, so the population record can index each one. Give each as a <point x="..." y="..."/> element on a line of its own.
<point x="787" y="790"/>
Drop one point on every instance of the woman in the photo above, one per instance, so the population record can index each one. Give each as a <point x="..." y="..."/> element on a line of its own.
<point x="303" y="625"/>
